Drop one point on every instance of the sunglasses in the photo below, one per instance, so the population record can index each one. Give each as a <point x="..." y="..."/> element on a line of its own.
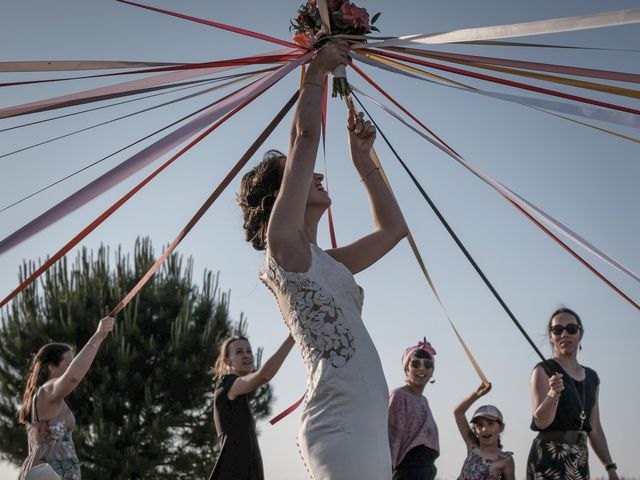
<point x="418" y="362"/>
<point x="571" y="329"/>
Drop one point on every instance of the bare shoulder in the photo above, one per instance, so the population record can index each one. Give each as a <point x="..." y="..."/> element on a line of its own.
<point x="292" y="254"/>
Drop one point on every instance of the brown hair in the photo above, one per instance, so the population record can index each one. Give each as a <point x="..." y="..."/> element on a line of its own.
<point x="258" y="190"/>
<point x="568" y="311"/>
<point x="220" y="367"/>
<point x="50" y="354"/>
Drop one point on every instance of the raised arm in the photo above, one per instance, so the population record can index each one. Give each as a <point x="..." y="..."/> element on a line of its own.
<point x="509" y="469"/>
<point x="264" y="374"/>
<point x="389" y="223"/>
<point x="460" y="413"/>
<point x="545" y="395"/>
<point x="285" y="233"/>
<point x="54" y="392"/>
<point x="598" y="440"/>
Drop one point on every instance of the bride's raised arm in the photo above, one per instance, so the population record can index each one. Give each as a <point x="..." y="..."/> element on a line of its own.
<point x="390" y="226"/>
<point x="286" y="238"/>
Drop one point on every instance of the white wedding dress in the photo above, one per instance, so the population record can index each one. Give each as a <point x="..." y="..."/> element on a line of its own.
<point x="343" y="430"/>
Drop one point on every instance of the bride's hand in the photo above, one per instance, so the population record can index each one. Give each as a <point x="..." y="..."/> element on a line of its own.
<point x="362" y="134"/>
<point x="332" y="54"/>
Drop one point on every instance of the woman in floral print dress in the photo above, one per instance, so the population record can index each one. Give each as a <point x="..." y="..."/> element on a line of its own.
<point x="53" y="375"/>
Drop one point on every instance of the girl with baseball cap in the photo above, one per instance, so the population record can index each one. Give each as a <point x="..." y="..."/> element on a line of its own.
<point x="485" y="458"/>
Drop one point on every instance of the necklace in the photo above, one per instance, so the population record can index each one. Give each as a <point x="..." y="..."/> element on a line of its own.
<point x="581" y="399"/>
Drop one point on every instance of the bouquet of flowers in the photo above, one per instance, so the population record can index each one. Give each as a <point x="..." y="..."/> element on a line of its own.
<point x="344" y="18"/>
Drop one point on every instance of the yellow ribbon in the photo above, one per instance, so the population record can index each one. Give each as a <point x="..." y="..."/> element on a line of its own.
<point x="418" y="256"/>
<point x="599" y="87"/>
<point x="409" y="68"/>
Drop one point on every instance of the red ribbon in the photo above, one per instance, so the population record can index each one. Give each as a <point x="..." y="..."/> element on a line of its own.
<point x="234" y="62"/>
<point x="107" y="213"/>
<point x="510" y="83"/>
<point x="529" y="216"/>
<point x="543" y="67"/>
<point x="207" y="204"/>
<point x="222" y="26"/>
<point x="287" y="411"/>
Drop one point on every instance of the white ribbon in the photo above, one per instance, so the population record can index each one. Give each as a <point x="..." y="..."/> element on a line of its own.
<point x="584" y="111"/>
<point x="556" y="25"/>
<point x="531" y="209"/>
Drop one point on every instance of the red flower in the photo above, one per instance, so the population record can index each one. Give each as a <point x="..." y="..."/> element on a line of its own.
<point x="356" y="16"/>
<point x="302" y="40"/>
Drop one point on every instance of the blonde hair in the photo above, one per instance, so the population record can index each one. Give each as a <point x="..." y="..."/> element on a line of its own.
<point x="220" y="368"/>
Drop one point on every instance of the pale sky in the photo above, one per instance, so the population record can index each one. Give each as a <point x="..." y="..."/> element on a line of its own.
<point x="585" y="178"/>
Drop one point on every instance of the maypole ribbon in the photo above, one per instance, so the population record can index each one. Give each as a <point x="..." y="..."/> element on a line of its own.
<point x="510" y="83"/>
<point x="543" y="67"/>
<point x="152" y="134"/>
<point x="556" y="25"/>
<point x="138" y="112"/>
<point x="146" y="156"/>
<point x="102" y="93"/>
<point x="498" y="43"/>
<point x="572" y="82"/>
<point x="207" y="204"/>
<point x="276" y="57"/>
<point x="540" y="104"/>
<point x="460" y="245"/>
<point x="67" y="65"/>
<point x="504" y="191"/>
<point x="414" y="247"/>
<point x="325" y="97"/>
<point x="524" y="206"/>
<point x="162" y="90"/>
<point x="222" y="26"/>
<point x="421" y="264"/>
<point x="74" y="241"/>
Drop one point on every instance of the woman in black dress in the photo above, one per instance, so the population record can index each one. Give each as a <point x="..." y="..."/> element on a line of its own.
<point x="565" y="408"/>
<point x="239" y="457"/>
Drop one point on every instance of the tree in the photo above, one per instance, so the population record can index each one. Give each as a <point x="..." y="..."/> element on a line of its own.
<point x="145" y="408"/>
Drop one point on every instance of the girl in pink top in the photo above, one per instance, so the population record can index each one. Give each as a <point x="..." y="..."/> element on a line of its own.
<point x="413" y="433"/>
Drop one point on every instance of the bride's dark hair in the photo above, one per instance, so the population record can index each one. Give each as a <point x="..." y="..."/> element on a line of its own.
<point x="258" y="190"/>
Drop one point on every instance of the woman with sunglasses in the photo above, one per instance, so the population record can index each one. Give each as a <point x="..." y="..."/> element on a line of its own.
<point x="413" y="433"/>
<point x="564" y="398"/>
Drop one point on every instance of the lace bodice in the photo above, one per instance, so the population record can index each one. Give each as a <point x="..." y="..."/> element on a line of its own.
<point x="343" y="424"/>
<point x="312" y="304"/>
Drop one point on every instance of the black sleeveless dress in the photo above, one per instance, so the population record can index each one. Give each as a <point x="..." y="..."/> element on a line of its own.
<point x="239" y="454"/>
<point x="556" y="459"/>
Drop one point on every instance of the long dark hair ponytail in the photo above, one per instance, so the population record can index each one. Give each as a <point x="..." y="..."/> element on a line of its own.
<point x="50" y="354"/>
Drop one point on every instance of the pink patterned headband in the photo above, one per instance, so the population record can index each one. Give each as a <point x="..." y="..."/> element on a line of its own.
<point x="422" y="345"/>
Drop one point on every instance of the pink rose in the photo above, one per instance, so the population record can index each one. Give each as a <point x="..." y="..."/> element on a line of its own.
<point x="356" y="16"/>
